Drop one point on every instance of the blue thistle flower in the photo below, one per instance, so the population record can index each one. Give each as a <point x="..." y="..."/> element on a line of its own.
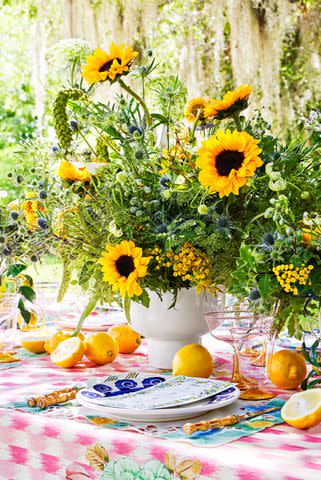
<point x="42" y="223"/>
<point x="164" y="181"/>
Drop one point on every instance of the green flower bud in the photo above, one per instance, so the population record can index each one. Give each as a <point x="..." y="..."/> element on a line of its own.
<point x="166" y="194"/>
<point x="305" y="195"/>
<point x="202" y="209"/>
<point x="121" y="177"/>
<point x="275" y="176"/>
<point x="268" y="212"/>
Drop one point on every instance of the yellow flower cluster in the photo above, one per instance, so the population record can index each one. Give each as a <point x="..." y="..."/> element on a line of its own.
<point x="289" y="277"/>
<point x="189" y="263"/>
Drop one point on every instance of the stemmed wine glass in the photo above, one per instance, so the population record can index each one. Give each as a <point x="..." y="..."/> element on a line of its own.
<point x="237" y="328"/>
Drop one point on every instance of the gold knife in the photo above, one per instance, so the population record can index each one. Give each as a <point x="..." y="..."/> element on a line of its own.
<point x="204" y="425"/>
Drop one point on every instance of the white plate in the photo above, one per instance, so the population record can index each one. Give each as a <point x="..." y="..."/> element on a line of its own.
<point x="95" y="323"/>
<point x="165" y="414"/>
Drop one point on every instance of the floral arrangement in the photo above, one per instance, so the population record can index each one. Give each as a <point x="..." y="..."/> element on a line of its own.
<point x="153" y="192"/>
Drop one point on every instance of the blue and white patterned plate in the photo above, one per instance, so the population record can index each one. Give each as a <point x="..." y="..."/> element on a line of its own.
<point x="117" y="385"/>
<point x="195" y="409"/>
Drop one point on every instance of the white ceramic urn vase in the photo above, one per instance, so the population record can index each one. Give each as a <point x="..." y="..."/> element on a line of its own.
<point x="169" y="329"/>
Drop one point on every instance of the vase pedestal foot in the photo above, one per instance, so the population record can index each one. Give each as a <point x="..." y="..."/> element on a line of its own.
<point x="161" y="352"/>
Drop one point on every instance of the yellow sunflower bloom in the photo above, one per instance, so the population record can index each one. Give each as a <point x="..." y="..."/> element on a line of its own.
<point x="68" y="171"/>
<point x="227" y="160"/>
<point x="193" y="107"/>
<point x="102" y="66"/>
<point x="231" y="103"/>
<point x="122" y="266"/>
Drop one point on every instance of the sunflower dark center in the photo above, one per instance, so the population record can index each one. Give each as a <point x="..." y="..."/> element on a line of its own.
<point x="125" y="265"/>
<point x="107" y="65"/>
<point x="227" y="160"/>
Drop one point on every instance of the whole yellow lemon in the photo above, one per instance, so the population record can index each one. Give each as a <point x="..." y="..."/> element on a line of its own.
<point x="193" y="361"/>
<point x="101" y="348"/>
<point x="128" y="340"/>
<point x="287" y="369"/>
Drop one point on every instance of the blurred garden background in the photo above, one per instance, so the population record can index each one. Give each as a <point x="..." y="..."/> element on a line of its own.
<point x="213" y="45"/>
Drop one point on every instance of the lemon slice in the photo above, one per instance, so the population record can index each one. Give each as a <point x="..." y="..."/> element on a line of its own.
<point x="68" y="353"/>
<point x="34" y="344"/>
<point x="303" y="409"/>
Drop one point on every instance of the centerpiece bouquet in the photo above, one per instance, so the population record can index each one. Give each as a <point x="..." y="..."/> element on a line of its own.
<point x="150" y="194"/>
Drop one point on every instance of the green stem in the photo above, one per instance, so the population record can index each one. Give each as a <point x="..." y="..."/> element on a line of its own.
<point x="237" y="121"/>
<point x="131" y="92"/>
<point x="89" y="308"/>
<point x="195" y="124"/>
<point x="86" y="141"/>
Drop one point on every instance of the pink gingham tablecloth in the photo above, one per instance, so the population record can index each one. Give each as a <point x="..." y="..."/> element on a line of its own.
<point x="63" y="444"/>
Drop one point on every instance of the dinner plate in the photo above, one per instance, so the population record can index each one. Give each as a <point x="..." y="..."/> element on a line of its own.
<point x="195" y="409"/>
<point x="94" y="323"/>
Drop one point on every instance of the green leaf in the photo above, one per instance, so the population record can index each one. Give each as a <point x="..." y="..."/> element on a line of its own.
<point x="265" y="286"/>
<point x="26" y="315"/>
<point x="247" y="256"/>
<point x="144" y="298"/>
<point x="15" y="269"/>
<point x="65" y="281"/>
<point x="127" y="301"/>
<point x="313" y="353"/>
<point x="314" y="383"/>
<point x="28" y="293"/>
<point x="306" y="353"/>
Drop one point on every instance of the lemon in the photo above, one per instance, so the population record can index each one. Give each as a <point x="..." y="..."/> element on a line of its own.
<point x="101" y="348"/>
<point x="34" y="344"/>
<point x="287" y="369"/>
<point x="303" y="409"/>
<point x="68" y="353"/>
<point x="52" y="342"/>
<point x="128" y="340"/>
<point x="193" y="361"/>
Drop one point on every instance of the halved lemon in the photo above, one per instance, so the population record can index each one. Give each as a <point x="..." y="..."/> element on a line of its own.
<point x="68" y="353"/>
<point x="34" y="344"/>
<point x="303" y="409"/>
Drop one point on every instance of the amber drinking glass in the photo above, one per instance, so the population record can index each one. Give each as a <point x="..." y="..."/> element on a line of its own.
<point x="238" y="328"/>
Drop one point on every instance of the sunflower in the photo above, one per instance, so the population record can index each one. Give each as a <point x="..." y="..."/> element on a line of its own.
<point x="193" y="107"/>
<point x="122" y="266"/>
<point x="69" y="171"/>
<point x="102" y="65"/>
<point x="227" y="160"/>
<point x="231" y="104"/>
